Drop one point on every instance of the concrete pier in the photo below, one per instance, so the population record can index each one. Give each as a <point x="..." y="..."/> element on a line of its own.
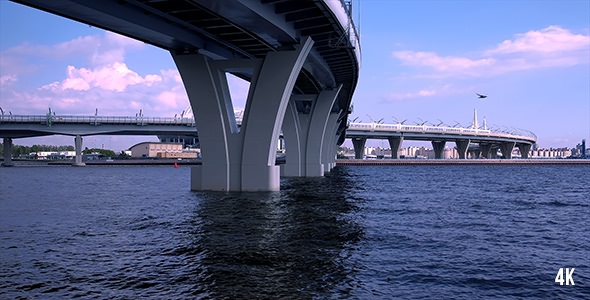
<point x="359" y="147"/>
<point x="330" y="147"/>
<point x="306" y="131"/>
<point x="240" y="159"/>
<point x="395" y="144"/>
<point x="78" y="147"/>
<point x="462" y="146"/>
<point x="524" y="149"/>
<point x="7" y="144"/>
<point x="485" y="150"/>
<point x="506" y="149"/>
<point x="438" y="147"/>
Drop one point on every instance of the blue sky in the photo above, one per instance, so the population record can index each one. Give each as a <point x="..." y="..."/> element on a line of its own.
<point x="422" y="60"/>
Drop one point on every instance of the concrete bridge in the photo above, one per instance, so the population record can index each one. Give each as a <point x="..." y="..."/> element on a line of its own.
<point x="488" y="140"/>
<point x="19" y="126"/>
<point x="302" y="59"/>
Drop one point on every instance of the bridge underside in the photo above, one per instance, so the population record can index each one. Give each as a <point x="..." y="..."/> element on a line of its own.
<point x="285" y="48"/>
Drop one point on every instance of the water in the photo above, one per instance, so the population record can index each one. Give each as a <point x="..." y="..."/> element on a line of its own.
<point x="382" y="232"/>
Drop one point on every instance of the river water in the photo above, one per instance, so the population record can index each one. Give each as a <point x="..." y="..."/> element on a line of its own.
<point x="363" y="232"/>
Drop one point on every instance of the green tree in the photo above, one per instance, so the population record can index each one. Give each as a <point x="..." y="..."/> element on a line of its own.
<point x="105" y="152"/>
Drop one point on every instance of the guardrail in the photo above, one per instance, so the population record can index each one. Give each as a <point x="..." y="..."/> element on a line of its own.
<point x="374" y="127"/>
<point x="94" y="120"/>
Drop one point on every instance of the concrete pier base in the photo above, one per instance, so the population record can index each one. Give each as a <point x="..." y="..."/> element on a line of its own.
<point x="359" y="147"/>
<point x="7" y="144"/>
<point x="506" y="149"/>
<point x="524" y="150"/>
<point x="462" y="146"/>
<point x="438" y="147"/>
<point x="78" y="145"/>
<point x="395" y="144"/>
<point x="485" y="150"/>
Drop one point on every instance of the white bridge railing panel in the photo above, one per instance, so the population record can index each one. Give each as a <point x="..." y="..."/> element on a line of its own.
<point x="94" y="120"/>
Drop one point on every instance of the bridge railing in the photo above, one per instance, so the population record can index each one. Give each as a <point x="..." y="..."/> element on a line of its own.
<point x="374" y="127"/>
<point x="343" y="12"/>
<point x="94" y="120"/>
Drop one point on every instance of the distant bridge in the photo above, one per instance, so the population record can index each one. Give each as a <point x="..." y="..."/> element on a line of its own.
<point x="20" y="126"/>
<point x="487" y="139"/>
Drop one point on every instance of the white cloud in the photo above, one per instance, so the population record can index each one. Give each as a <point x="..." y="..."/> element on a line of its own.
<point x="121" y="40"/>
<point x="413" y="95"/>
<point x="112" y="77"/>
<point x="441" y="63"/>
<point x="169" y="98"/>
<point x="549" y="47"/>
<point x="95" y="76"/>
<point x="552" y="39"/>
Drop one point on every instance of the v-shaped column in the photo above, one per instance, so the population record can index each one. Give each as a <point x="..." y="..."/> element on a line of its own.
<point x="240" y="159"/>
<point x="307" y="133"/>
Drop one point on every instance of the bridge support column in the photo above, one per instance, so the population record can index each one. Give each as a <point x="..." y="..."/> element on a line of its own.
<point x="439" y="147"/>
<point x="524" y="150"/>
<point x="476" y="154"/>
<point x="78" y="146"/>
<point x="7" y="144"/>
<point x="485" y="150"/>
<point x="506" y="149"/>
<point x="359" y="147"/>
<point x="462" y="146"/>
<point x="293" y="166"/>
<point x="306" y="133"/>
<point x="240" y="159"/>
<point x="395" y="143"/>
<point x="330" y="148"/>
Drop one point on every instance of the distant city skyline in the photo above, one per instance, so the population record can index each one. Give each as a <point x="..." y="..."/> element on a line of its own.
<point x="422" y="60"/>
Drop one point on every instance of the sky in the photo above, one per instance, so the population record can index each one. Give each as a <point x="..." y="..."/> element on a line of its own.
<point x="422" y="60"/>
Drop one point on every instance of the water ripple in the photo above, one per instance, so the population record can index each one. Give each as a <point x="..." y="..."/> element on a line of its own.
<point x="450" y="232"/>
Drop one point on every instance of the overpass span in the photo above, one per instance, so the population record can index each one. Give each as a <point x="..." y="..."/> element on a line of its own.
<point x="301" y="57"/>
<point x="19" y="126"/>
<point x="439" y="135"/>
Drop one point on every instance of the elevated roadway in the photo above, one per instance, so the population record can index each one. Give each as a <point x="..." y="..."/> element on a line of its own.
<point x="487" y="139"/>
<point x="301" y="57"/>
<point x="19" y="126"/>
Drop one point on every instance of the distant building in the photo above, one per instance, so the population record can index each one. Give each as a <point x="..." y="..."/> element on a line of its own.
<point x="161" y="150"/>
<point x="186" y="141"/>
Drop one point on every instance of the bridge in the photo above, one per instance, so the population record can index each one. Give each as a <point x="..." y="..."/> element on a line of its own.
<point x="302" y="60"/>
<point x="19" y="126"/>
<point x="487" y="139"/>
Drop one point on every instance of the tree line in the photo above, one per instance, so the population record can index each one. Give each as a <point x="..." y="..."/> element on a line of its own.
<point x="26" y="150"/>
<point x="18" y="150"/>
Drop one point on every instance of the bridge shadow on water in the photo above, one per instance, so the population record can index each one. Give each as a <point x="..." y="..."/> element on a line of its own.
<point x="289" y="244"/>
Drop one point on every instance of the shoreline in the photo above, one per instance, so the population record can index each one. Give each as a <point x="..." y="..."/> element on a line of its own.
<point x="406" y="162"/>
<point x="339" y="162"/>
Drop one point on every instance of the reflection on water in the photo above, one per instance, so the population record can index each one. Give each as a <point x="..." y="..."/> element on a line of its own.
<point x="281" y="244"/>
